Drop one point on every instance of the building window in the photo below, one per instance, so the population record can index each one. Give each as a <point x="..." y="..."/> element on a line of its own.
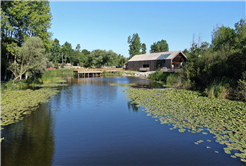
<point x="145" y="65"/>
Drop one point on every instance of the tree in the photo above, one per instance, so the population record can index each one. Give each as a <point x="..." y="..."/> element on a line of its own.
<point x="160" y="46"/>
<point x="19" y="21"/>
<point x="55" y="51"/>
<point x="122" y="60"/>
<point x="67" y="52"/>
<point x="86" y="52"/>
<point x="223" y="38"/>
<point x="154" y="48"/>
<point x="143" y="48"/>
<point x="240" y="29"/>
<point x="134" y="45"/>
<point x="86" y="57"/>
<point x="28" y="58"/>
<point x="78" y="56"/>
<point x="163" y="46"/>
<point x="78" y="47"/>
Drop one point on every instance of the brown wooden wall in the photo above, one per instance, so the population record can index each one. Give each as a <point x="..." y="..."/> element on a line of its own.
<point x="168" y="63"/>
<point x="179" y="58"/>
<point x="135" y="65"/>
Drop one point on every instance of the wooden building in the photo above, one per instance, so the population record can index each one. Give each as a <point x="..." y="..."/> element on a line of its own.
<point x="157" y="61"/>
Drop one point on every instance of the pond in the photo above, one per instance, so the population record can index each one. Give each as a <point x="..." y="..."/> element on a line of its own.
<point x="90" y="122"/>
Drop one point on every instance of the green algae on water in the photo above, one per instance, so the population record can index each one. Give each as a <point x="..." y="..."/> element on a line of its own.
<point x="15" y="104"/>
<point x="190" y="110"/>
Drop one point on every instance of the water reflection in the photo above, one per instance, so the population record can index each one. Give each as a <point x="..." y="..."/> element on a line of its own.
<point x="162" y="105"/>
<point x="132" y="106"/>
<point x="148" y="85"/>
<point x="30" y="141"/>
<point x="88" y="123"/>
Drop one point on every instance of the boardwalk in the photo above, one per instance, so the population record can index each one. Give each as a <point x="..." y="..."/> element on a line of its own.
<point x="95" y="72"/>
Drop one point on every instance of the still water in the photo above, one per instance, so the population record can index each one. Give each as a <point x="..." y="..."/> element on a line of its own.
<point x="92" y="123"/>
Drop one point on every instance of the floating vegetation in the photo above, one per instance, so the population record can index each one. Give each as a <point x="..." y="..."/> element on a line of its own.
<point x="200" y="141"/>
<point x="115" y="84"/>
<point x="50" y="85"/>
<point x="182" y="130"/>
<point x="189" y="110"/>
<point x="15" y="104"/>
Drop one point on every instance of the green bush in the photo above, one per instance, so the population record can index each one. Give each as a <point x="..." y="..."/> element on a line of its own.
<point x="170" y="79"/>
<point x="242" y="87"/>
<point x="2" y="87"/>
<point x="173" y="80"/>
<point x="158" y="76"/>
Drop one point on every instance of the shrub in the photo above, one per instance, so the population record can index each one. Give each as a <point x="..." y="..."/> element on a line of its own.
<point x="217" y="89"/>
<point x="242" y="87"/>
<point x="173" y="80"/>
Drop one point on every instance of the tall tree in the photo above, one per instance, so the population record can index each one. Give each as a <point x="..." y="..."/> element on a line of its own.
<point x="86" y="57"/>
<point x="78" y="47"/>
<point x="240" y="29"/>
<point x="78" y="56"/>
<point x="143" y="48"/>
<point x="67" y="52"/>
<point x="55" y="51"/>
<point x="163" y="45"/>
<point x="21" y="20"/>
<point x="134" y="45"/>
<point x="154" y="48"/>
<point x="160" y="46"/>
<point x="223" y="38"/>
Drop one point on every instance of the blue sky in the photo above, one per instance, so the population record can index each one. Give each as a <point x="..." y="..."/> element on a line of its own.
<point x="107" y="25"/>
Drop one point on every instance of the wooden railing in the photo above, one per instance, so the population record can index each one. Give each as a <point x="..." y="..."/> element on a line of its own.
<point x="98" y="69"/>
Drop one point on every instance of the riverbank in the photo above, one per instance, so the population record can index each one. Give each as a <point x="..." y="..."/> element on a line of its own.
<point x="137" y="74"/>
<point x="189" y="111"/>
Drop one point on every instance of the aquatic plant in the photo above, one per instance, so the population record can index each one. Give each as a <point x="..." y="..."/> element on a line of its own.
<point x="116" y="84"/>
<point x="17" y="103"/>
<point x="184" y="109"/>
<point x="2" y="87"/>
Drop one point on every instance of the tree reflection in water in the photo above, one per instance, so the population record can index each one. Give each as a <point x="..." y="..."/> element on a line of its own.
<point x="30" y="141"/>
<point x="132" y="106"/>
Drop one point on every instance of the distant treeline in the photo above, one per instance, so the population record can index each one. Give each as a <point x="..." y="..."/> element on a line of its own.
<point x="84" y="58"/>
<point x="27" y="48"/>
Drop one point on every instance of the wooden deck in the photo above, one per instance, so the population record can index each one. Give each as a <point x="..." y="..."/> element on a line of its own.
<point x="95" y="72"/>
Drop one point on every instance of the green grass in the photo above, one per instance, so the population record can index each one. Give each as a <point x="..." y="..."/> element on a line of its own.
<point x="218" y="89"/>
<point x="55" y="76"/>
<point x="118" y="73"/>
